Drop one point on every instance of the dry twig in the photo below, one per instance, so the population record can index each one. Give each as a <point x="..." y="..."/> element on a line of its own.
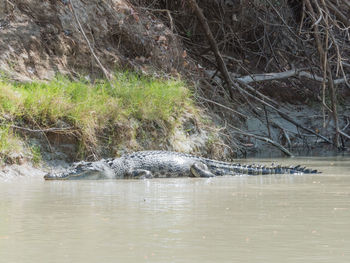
<point x="265" y="139"/>
<point x="104" y="70"/>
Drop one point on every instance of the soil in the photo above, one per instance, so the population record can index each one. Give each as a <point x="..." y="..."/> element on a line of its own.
<point x="37" y="45"/>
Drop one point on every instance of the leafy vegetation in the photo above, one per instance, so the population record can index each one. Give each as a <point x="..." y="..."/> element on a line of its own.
<point x="92" y="109"/>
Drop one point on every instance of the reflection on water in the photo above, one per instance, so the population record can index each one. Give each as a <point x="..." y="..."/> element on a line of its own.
<point x="229" y="219"/>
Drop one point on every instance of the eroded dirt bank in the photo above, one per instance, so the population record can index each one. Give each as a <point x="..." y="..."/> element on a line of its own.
<point x="39" y="39"/>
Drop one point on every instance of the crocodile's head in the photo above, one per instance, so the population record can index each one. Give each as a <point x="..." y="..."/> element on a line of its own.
<point x="83" y="170"/>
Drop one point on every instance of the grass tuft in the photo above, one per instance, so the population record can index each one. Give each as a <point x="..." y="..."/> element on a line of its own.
<point x="9" y="143"/>
<point x="36" y="154"/>
<point x="93" y="109"/>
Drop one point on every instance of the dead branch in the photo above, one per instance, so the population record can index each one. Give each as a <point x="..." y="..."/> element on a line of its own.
<point x="220" y="62"/>
<point x="265" y="139"/>
<point x="55" y="130"/>
<point x="284" y="131"/>
<point x="344" y="134"/>
<point x="224" y="107"/>
<point x="104" y="70"/>
<point x="223" y="69"/>
<point x="286" y="74"/>
<point x="345" y="20"/>
<point x="323" y="50"/>
<point x="286" y="117"/>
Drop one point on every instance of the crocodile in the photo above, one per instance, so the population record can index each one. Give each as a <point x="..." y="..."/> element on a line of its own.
<point x="165" y="164"/>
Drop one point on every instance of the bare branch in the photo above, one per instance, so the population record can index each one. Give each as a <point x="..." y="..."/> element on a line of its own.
<point x="57" y="130"/>
<point x="344" y="134"/>
<point x="104" y="70"/>
<point x="224" y="107"/>
<point x="345" y="20"/>
<point x="265" y="139"/>
<point x="286" y="74"/>
<point x="220" y="62"/>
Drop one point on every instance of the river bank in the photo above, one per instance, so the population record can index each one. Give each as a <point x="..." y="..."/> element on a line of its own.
<point x="65" y="120"/>
<point x="63" y="100"/>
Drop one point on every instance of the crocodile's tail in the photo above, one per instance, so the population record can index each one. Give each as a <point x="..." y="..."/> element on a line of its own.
<point x="223" y="168"/>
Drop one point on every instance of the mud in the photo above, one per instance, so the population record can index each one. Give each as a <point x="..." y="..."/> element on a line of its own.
<point x="38" y="45"/>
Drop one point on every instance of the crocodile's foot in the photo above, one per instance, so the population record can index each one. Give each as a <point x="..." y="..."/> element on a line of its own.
<point x="199" y="169"/>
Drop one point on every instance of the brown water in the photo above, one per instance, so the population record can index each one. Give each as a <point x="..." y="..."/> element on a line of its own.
<point x="290" y="218"/>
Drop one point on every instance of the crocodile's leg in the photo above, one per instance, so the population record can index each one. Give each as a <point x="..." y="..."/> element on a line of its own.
<point x="199" y="169"/>
<point x="140" y="174"/>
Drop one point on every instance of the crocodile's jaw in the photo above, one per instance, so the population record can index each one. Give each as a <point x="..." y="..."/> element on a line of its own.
<point x="51" y="176"/>
<point x="87" y="175"/>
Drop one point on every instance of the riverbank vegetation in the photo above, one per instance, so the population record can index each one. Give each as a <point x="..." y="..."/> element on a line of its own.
<point x="273" y="76"/>
<point x="92" y="112"/>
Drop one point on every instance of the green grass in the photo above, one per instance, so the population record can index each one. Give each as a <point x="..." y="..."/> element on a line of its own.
<point x="9" y="143"/>
<point x="93" y="109"/>
<point x="4" y="140"/>
<point x="36" y="154"/>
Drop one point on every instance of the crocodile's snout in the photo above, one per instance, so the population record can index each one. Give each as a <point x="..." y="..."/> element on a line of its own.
<point x="52" y="176"/>
<point x="82" y="172"/>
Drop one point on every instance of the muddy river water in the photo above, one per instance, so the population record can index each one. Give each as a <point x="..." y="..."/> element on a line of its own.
<point x="274" y="218"/>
